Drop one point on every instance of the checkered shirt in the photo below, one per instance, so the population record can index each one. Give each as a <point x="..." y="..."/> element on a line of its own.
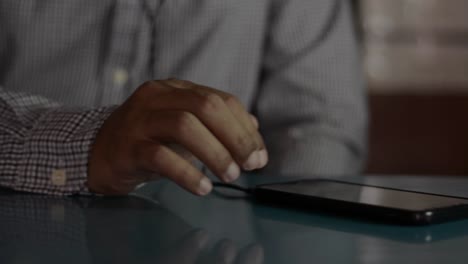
<point x="66" y="65"/>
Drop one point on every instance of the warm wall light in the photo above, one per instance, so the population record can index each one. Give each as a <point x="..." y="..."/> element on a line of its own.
<point x="407" y="41"/>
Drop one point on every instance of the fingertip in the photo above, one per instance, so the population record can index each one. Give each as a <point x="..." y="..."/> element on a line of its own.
<point x="252" y="162"/>
<point x="205" y="186"/>
<point x="263" y="156"/>
<point x="232" y="173"/>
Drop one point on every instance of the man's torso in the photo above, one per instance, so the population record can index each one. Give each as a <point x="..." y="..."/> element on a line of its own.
<point x="94" y="53"/>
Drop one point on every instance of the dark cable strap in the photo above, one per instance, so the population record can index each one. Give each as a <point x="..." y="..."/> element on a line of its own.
<point x="232" y="187"/>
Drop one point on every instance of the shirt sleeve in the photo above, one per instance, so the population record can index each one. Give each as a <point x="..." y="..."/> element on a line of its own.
<point x="45" y="147"/>
<point x="312" y="103"/>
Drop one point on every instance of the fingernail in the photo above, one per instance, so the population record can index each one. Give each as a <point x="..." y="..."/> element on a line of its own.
<point x="232" y="172"/>
<point x="205" y="186"/>
<point x="253" y="161"/>
<point x="263" y="158"/>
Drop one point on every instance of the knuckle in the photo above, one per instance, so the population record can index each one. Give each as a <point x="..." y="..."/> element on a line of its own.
<point x="173" y="79"/>
<point x="210" y="103"/>
<point x="179" y="82"/>
<point x="187" y="84"/>
<point x="184" y="122"/>
<point x="232" y="101"/>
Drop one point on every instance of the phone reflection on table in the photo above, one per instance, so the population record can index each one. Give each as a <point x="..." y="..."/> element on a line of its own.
<point x="406" y="234"/>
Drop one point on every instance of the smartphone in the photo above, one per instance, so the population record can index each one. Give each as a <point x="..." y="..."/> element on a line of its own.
<point x="367" y="202"/>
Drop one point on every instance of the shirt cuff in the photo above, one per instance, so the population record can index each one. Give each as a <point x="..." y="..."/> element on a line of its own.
<point x="55" y="151"/>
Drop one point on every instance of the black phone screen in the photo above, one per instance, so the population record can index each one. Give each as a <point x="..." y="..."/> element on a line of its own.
<point x="370" y="195"/>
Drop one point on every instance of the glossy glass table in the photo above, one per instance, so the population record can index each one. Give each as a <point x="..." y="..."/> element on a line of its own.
<point x="161" y="223"/>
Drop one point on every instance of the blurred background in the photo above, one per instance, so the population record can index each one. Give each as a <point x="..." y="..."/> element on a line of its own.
<point x="415" y="55"/>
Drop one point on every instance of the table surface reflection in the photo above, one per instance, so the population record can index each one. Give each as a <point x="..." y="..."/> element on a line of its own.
<point x="160" y="223"/>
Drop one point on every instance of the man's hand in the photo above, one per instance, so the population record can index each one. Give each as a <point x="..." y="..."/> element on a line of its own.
<point x="134" y="144"/>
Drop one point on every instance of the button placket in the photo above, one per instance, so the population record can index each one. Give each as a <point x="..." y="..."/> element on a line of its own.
<point x="121" y="52"/>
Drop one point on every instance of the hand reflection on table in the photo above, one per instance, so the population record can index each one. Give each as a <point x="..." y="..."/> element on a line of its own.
<point x="193" y="248"/>
<point x="107" y="230"/>
<point x="146" y="232"/>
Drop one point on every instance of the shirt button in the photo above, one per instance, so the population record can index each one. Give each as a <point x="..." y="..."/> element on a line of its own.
<point x="120" y="76"/>
<point x="296" y="133"/>
<point x="59" y="177"/>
